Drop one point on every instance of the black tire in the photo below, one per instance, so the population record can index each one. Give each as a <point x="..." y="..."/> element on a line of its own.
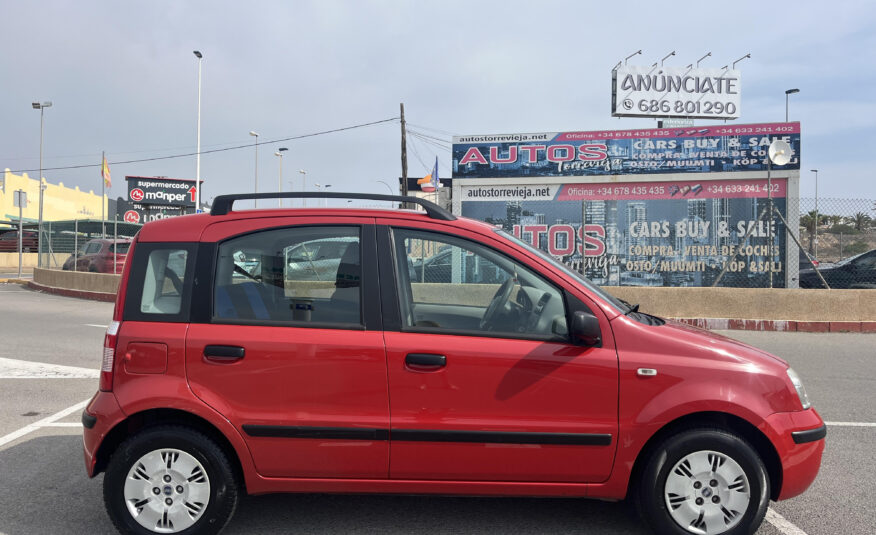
<point x="649" y="493"/>
<point x="224" y="487"/>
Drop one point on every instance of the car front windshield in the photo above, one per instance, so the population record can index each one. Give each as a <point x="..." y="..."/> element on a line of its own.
<point x="587" y="283"/>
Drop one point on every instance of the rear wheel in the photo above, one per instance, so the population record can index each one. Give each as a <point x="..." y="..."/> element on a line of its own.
<point x="170" y="480"/>
<point x="704" y="481"/>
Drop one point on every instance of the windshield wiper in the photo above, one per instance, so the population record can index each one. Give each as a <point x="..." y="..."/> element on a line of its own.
<point x="632" y="308"/>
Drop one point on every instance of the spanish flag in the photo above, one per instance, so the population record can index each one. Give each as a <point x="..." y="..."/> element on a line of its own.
<point x="105" y="173"/>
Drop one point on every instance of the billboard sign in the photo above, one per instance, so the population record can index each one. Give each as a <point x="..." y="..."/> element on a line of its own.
<point x="161" y="191"/>
<point x="716" y="148"/>
<point x="639" y="91"/>
<point x="671" y="233"/>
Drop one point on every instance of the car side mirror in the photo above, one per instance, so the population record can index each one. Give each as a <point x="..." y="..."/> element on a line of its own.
<point x="585" y="329"/>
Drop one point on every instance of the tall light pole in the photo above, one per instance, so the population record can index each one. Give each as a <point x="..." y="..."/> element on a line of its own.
<point x="325" y="201"/>
<point x="255" y="202"/>
<point x="303" y="185"/>
<point x="41" y="106"/>
<point x="200" y="57"/>
<point x="815" y="224"/>
<point x="787" y="93"/>
<point x="279" y="154"/>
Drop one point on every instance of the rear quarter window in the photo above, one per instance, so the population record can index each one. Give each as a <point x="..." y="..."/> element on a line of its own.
<point x="159" y="286"/>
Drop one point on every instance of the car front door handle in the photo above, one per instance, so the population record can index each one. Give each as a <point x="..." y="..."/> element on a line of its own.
<point x="218" y="353"/>
<point x="425" y="361"/>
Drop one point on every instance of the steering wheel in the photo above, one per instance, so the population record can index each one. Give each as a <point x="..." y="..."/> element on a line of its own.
<point x="497" y="303"/>
<point x="174" y="279"/>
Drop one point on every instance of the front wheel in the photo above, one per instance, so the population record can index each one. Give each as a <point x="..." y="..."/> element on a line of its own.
<point x="170" y="480"/>
<point x="704" y="481"/>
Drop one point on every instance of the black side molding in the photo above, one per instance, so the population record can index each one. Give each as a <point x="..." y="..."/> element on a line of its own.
<point x="88" y="420"/>
<point x="344" y="433"/>
<point x="498" y="437"/>
<point x="810" y="435"/>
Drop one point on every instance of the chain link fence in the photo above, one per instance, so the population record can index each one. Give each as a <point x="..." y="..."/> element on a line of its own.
<point x="59" y="240"/>
<point x="689" y="241"/>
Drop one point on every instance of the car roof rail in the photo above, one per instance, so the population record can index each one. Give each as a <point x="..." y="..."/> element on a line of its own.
<point x="222" y="203"/>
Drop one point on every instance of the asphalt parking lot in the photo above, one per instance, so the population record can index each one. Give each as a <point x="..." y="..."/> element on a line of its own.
<point x="50" y="351"/>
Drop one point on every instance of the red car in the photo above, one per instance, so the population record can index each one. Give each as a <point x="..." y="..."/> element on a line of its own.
<point x="220" y="379"/>
<point x="9" y="241"/>
<point x="100" y="256"/>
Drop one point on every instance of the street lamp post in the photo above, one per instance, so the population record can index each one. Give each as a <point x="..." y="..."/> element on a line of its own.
<point x="815" y="225"/>
<point x="41" y="106"/>
<point x="303" y="185"/>
<point x="325" y="201"/>
<point x="200" y="57"/>
<point x="279" y="154"/>
<point x="387" y="187"/>
<point x="255" y="202"/>
<point x="787" y="93"/>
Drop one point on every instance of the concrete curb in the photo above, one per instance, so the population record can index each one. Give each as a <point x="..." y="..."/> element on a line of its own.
<point x="13" y="281"/>
<point x="81" y="294"/>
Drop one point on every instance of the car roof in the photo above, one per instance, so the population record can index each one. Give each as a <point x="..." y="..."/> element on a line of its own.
<point x="188" y="228"/>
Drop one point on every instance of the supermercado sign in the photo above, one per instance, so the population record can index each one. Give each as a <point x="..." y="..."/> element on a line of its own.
<point x="638" y="91"/>
<point x="673" y="233"/>
<point x="159" y="190"/>
<point x="621" y="152"/>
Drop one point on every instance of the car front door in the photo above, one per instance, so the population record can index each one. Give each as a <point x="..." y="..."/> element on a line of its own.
<point x="484" y="381"/>
<point x="295" y="362"/>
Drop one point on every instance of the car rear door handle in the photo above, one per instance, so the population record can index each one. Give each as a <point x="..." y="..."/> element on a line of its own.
<point x="425" y="361"/>
<point x="224" y="353"/>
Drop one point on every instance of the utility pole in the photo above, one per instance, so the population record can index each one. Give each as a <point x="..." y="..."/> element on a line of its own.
<point x="404" y="152"/>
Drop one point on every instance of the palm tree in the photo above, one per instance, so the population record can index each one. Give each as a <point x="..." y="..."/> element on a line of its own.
<point x="861" y="221"/>
<point x="808" y="222"/>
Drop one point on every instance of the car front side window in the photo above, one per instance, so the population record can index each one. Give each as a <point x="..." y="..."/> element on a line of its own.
<point x="458" y="286"/>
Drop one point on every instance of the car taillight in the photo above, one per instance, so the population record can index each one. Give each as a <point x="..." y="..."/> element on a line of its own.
<point x="109" y="353"/>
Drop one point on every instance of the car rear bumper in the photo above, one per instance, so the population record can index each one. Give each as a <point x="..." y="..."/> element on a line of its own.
<point x="799" y="441"/>
<point x="98" y="418"/>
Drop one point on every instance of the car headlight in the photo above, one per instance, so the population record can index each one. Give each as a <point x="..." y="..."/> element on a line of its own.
<point x="798" y="386"/>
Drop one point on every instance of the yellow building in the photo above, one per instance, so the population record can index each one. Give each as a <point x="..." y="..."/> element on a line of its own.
<point x="59" y="201"/>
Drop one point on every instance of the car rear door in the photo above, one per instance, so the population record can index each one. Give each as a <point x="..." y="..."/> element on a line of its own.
<point x="292" y="357"/>
<point x="484" y="386"/>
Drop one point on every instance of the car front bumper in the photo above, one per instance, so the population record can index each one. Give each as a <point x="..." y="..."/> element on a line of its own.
<point x="799" y="439"/>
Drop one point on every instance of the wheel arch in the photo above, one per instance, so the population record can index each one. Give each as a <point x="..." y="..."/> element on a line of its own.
<point x="730" y="422"/>
<point x="137" y="422"/>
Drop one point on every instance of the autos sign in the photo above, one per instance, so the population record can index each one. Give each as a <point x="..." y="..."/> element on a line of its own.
<point x="673" y="233"/>
<point x="638" y="91"/>
<point x="161" y="191"/>
<point x="714" y="148"/>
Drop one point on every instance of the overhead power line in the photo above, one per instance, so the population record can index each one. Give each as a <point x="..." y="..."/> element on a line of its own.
<point x="236" y="147"/>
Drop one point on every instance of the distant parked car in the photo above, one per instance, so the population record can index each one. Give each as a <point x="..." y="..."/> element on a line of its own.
<point x="9" y="242"/>
<point x="804" y="260"/>
<point x="100" y="256"/>
<point x="854" y="272"/>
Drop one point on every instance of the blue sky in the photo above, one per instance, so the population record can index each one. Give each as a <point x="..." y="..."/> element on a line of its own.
<point x="123" y="80"/>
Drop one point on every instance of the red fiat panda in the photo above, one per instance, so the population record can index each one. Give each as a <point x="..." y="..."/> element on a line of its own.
<point x="330" y="350"/>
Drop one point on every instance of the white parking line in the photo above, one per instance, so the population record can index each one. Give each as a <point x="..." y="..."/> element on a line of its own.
<point x="850" y="424"/>
<point x="782" y="524"/>
<point x="42" y="423"/>
<point x="25" y="369"/>
<point x="95" y="325"/>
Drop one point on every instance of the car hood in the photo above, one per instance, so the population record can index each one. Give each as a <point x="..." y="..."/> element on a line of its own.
<point x="718" y="346"/>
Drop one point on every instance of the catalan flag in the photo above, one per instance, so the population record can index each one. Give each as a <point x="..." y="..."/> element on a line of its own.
<point x="105" y="173"/>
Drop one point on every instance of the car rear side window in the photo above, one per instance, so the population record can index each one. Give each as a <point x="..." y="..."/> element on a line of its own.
<point x="164" y="282"/>
<point x="119" y="248"/>
<point x="295" y="275"/>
